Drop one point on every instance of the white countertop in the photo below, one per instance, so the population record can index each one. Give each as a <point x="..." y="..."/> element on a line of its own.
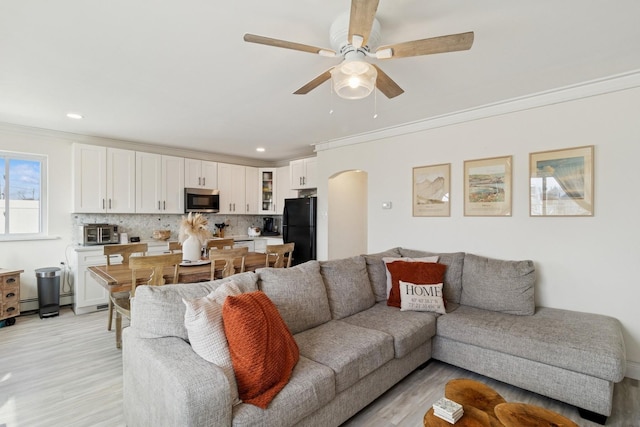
<point x="156" y="243"/>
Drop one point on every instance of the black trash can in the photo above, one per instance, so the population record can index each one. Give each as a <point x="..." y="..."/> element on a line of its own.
<point x="48" y="291"/>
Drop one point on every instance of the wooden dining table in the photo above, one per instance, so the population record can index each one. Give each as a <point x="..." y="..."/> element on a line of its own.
<point x="117" y="277"/>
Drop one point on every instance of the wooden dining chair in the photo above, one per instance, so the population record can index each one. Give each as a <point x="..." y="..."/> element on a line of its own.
<point x="218" y="244"/>
<point x="151" y="269"/>
<point x="124" y="250"/>
<point x="175" y="247"/>
<point x="229" y="256"/>
<point x="279" y="256"/>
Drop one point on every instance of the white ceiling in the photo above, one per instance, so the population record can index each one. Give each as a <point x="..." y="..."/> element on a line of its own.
<point x="178" y="74"/>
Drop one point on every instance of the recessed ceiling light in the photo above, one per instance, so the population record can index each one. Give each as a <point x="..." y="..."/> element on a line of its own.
<point x="260" y="150"/>
<point x="75" y="116"/>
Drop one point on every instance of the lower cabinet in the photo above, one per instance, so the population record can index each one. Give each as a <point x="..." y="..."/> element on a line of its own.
<point x="88" y="296"/>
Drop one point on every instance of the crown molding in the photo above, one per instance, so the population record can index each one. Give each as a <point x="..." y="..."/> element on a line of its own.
<point x="587" y="89"/>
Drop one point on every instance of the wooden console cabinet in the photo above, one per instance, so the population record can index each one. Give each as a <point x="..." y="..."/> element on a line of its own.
<point x="10" y="297"/>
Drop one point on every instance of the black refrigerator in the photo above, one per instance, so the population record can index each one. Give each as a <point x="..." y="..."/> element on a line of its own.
<point x="299" y="227"/>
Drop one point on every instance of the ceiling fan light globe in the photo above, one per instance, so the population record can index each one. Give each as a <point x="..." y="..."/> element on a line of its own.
<point x="354" y="79"/>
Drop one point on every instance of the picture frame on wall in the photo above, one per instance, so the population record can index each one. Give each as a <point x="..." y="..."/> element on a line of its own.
<point x="487" y="186"/>
<point x="561" y="182"/>
<point x="431" y="190"/>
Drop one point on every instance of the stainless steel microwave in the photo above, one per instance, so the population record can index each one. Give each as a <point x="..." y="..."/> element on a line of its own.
<point x="99" y="234"/>
<point x="201" y="200"/>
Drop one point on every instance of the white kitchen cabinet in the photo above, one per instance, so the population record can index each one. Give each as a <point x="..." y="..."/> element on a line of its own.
<point x="103" y="179"/>
<point x="159" y="183"/>
<point x="268" y="190"/>
<point x="303" y="173"/>
<point x="245" y="243"/>
<point x="231" y="183"/>
<point x="251" y="190"/>
<point x="88" y="295"/>
<point x="200" y="174"/>
<point x="283" y="189"/>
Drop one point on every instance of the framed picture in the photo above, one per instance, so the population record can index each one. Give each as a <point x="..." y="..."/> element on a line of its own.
<point x="487" y="187"/>
<point x="561" y="182"/>
<point x="431" y="187"/>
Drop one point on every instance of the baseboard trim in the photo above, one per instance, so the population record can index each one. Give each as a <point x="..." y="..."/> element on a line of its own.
<point x="32" y="303"/>
<point x="633" y="370"/>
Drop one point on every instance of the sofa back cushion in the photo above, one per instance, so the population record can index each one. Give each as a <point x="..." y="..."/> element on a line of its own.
<point x="348" y="286"/>
<point x="298" y="293"/>
<point x="497" y="285"/>
<point x="378" y="273"/>
<point x="158" y="311"/>
<point x="452" y="289"/>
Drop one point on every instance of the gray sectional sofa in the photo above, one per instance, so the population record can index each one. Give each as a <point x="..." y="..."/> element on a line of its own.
<point x="353" y="347"/>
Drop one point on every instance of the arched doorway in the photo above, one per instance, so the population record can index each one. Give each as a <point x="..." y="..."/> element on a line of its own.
<point x="347" y="225"/>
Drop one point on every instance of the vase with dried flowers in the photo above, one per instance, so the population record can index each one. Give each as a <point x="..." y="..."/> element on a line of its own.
<point x="193" y="236"/>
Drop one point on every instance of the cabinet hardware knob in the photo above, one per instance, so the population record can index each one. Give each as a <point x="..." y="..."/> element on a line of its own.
<point x="10" y="295"/>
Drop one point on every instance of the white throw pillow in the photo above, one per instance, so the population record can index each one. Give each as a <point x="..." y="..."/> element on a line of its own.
<point x="415" y="297"/>
<point x="387" y="260"/>
<point x="203" y="320"/>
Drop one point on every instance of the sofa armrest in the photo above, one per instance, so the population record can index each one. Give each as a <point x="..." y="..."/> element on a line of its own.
<point x="165" y="383"/>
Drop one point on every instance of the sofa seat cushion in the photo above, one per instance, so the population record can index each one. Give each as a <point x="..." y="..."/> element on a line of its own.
<point x="587" y="343"/>
<point x="158" y="311"/>
<point x="351" y="351"/>
<point x="311" y="387"/>
<point x="409" y="329"/>
<point x="299" y="293"/>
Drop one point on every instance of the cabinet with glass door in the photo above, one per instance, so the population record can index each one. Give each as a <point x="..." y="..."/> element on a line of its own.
<point x="267" y="177"/>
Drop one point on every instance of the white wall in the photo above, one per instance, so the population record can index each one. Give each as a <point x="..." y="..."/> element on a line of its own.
<point x="583" y="263"/>
<point x="31" y="254"/>
<point x="347" y="214"/>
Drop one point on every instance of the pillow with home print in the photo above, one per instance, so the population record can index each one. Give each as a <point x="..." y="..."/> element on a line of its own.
<point x="427" y="273"/>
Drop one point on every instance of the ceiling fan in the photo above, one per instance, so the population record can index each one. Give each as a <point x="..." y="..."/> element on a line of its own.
<point x="353" y="36"/>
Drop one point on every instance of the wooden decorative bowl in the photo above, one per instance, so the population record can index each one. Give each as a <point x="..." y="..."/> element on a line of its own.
<point x="161" y="234"/>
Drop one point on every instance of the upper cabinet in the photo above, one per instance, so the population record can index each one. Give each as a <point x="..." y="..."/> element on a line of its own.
<point x="103" y="179"/>
<point x="231" y="183"/>
<point x="267" y="190"/>
<point x="251" y="190"/>
<point x="303" y="173"/>
<point x="283" y="189"/>
<point x="200" y="174"/>
<point x="159" y="183"/>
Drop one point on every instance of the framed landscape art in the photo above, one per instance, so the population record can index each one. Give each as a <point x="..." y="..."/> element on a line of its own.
<point x="561" y="182"/>
<point x="431" y="187"/>
<point x="487" y="187"/>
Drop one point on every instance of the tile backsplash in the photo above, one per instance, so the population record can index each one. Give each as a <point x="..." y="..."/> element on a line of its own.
<point x="142" y="225"/>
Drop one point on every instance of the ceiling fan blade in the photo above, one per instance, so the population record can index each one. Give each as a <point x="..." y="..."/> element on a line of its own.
<point x="442" y="44"/>
<point x="252" y="38"/>
<point x="361" y="19"/>
<point x="314" y="83"/>
<point x="386" y="85"/>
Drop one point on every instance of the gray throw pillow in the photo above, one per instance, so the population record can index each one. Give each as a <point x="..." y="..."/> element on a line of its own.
<point x="298" y="293"/>
<point x="497" y="285"/>
<point x="348" y="286"/>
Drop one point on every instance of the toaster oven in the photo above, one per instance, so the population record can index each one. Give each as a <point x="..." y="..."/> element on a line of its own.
<point x="99" y="234"/>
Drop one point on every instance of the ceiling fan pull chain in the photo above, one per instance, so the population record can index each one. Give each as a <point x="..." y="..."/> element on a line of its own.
<point x="375" y="102"/>
<point x="331" y="98"/>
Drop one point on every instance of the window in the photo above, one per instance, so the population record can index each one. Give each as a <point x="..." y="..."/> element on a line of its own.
<point x="22" y="195"/>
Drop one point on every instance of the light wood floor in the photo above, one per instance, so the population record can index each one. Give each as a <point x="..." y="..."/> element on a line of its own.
<point x="66" y="371"/>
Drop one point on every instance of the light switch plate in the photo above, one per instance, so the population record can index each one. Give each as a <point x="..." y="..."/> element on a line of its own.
<point x="386" y="205"/>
